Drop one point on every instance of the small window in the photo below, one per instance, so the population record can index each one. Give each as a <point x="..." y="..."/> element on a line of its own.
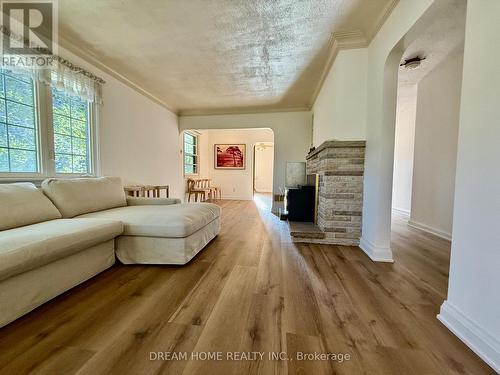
<point x="18" y="124"/>
<point x="72" y="146"/>
<point x="190" y="153"/>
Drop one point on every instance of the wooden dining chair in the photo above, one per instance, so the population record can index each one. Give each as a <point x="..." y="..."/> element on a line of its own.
<point x="216" y="191"/>
<point x="134" y="191"/>
<point x="194" y="189"/>
<point x="149" y="191"/>
<point x="203" y="184"/>
<point x="159" y="188"/>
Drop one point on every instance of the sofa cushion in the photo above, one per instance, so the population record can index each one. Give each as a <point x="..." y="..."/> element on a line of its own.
<point x="79" y="196"/>
<point x="23" y="204"/>
<point x="170" y="221"/>
<point x="26" y="248"/>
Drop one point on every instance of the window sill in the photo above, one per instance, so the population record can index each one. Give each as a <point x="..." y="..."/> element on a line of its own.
<point x="37" y="180"/>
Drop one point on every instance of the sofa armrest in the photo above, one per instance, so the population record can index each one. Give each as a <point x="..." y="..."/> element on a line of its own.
<point x="144" y="201"/>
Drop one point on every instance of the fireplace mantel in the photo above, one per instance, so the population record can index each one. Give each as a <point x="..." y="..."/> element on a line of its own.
<point x="336" y="144"/>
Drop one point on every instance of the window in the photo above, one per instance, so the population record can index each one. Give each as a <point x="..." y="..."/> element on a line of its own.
<point x="70" y="119"/>
<point x="18" y="126"/>
<point x="190" y="153"/>
<point x="43" y="131"/>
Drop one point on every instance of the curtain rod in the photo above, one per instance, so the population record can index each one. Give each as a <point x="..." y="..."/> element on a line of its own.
<point x="68" y="64"/>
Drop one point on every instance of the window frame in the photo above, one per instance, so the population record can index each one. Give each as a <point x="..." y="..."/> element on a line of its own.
<point x="196" y="155"/>
<point x="23" y="175"/>
<point x="45" y="140"/>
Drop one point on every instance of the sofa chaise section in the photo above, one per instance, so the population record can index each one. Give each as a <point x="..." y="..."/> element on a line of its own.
<point x="166" y="233"/>
<point x="156" y="230"/>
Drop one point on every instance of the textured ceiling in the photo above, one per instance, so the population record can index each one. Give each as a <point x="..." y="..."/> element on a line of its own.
<point x="439" y="32"/>
<point x="221" y="55"/>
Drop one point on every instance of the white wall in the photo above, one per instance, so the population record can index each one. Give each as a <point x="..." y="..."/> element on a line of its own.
<point x="384" y="55"/>
<point x="138" y="139"/>
<point x="236" y="184"/>
<point x="264" y="169"/>
<point x="404" y="148"/>
<point x="472" y="309"/>
<point x="205" y="164"/>
<point x="436" y="137"/>
<point x="340" y="108"/>
<point x="292" y="135"/>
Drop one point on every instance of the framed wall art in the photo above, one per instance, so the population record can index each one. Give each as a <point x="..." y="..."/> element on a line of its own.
<point x="230" y="156"/>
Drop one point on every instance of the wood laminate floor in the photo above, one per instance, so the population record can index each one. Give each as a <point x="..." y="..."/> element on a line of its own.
<point x="252" y="290"/>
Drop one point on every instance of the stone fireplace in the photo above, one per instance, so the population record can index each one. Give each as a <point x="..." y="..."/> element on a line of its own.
<point x="339" y="166"/>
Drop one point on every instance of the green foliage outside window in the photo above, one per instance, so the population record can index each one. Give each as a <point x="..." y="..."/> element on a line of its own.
<point x="71" y="128"/>
<point x="18" y="131"/>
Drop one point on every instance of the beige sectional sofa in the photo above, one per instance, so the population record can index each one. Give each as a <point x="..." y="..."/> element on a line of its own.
<point x="55" y="238"/>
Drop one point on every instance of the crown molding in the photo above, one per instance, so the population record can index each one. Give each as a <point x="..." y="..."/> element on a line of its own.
<point x="239" y="111"/>
<point x="382" y="18"/>
<point x="93" y="60"/>
<point x="338" y="41"/>
<point x="350" y="40"/>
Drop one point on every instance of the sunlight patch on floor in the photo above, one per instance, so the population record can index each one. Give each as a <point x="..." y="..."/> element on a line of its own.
<point x="263" y="200"/>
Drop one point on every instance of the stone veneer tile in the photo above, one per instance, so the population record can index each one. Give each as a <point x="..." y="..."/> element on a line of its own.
<point x="340" y="166"/>
<point x="344" y="173"/>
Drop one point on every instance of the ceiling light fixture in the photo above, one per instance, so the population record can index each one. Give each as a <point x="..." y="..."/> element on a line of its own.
<point x="413" y="63"/>
<point x="261" y="146"/>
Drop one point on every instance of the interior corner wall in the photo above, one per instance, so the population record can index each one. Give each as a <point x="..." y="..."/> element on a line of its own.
<point x="205" y="164"/>
<point x="404" y="148"/>
<point x="138" y="138"/>
<point x="292" y="136"/>
<point x="436" y="137"/>
<point x="340" y="108"/>
<point x="264" y="169"/>
<point x="472" y="309"/>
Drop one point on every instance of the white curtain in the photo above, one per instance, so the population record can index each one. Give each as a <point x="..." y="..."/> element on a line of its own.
<point x="71" y="79"/>
<point x="75" y="82"/>
<point x="65" y="76"/>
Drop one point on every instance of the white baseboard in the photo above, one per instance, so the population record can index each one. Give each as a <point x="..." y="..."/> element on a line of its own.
<point x="431" y="230"/>
<point x="475" y="337"/>
<point x="401" y="211"/>
<point x="376" y="253"/>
